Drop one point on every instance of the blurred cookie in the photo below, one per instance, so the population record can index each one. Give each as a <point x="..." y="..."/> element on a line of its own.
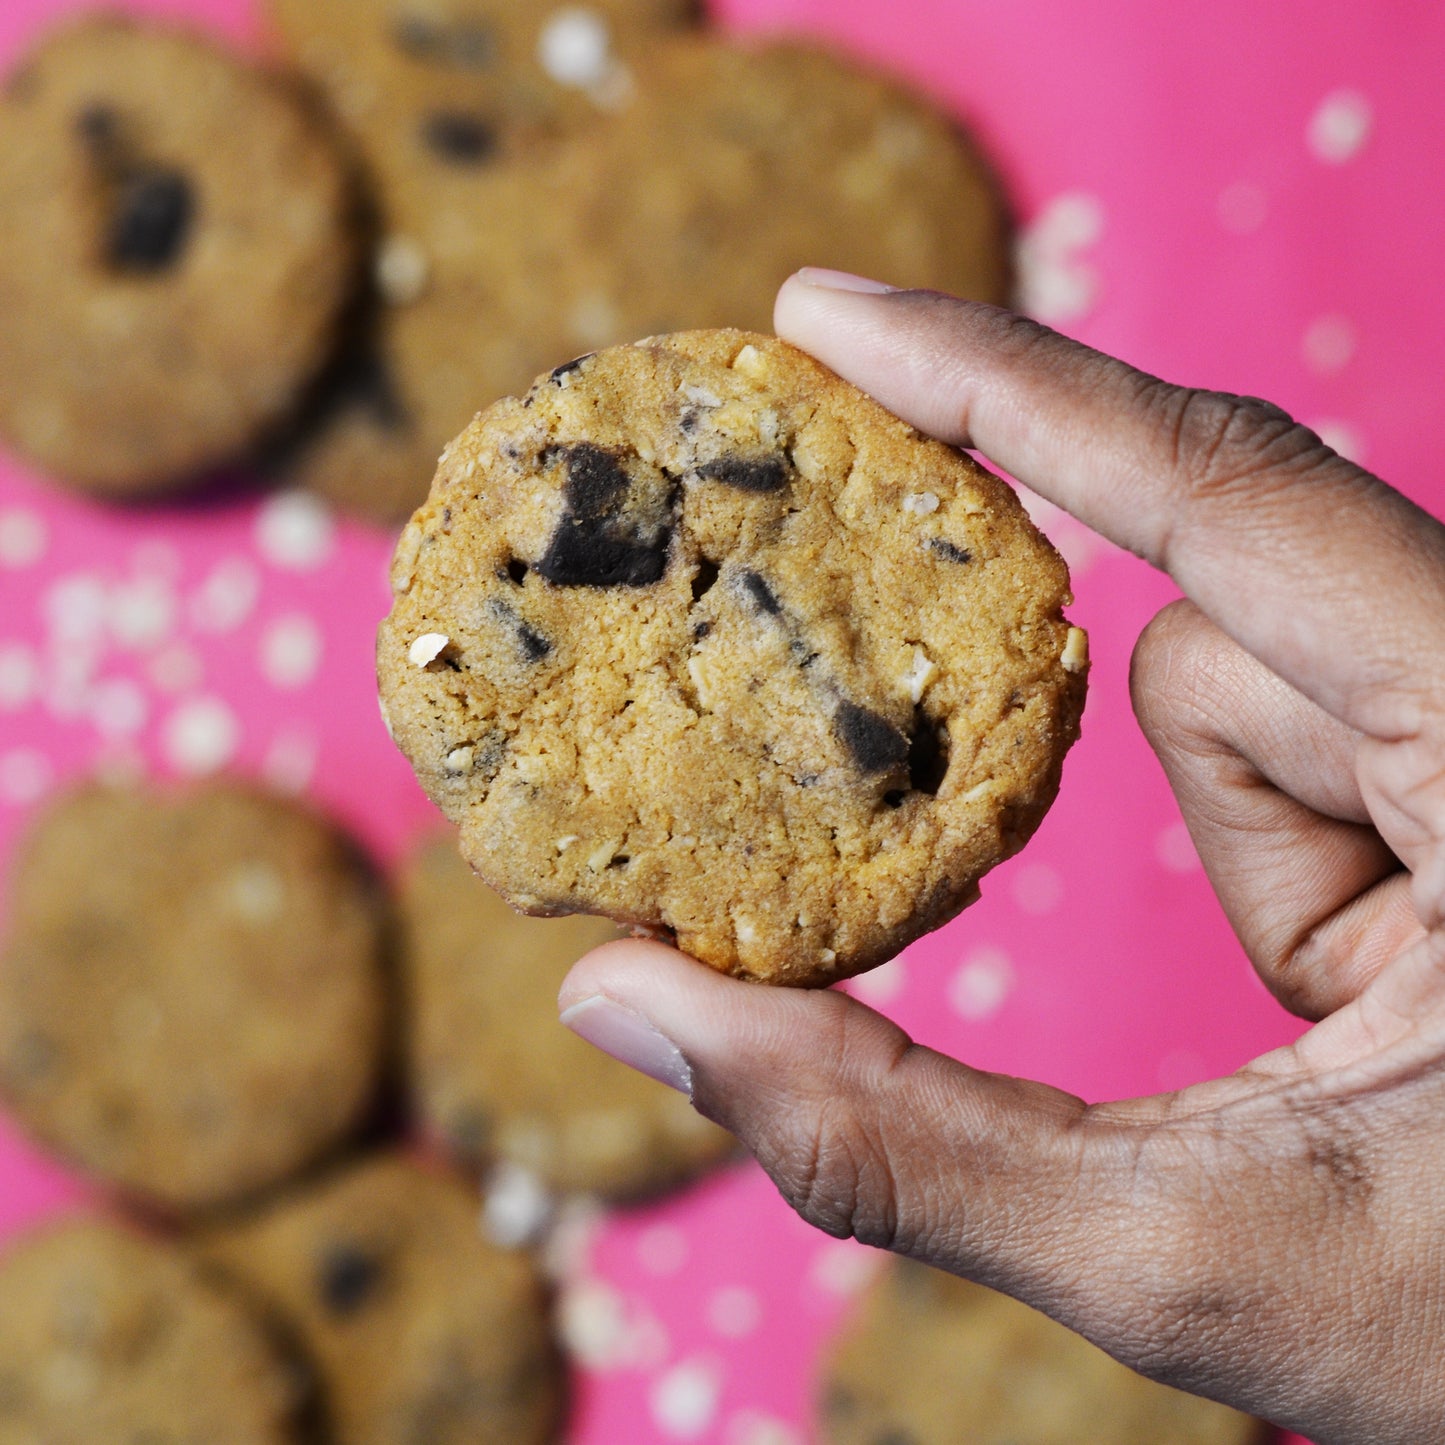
<point x="175" y="250"/>
<point x="697" y="636"/>
<point x="191" y="996"/>
<point x="106" y="1337"/>
<point x="497" y="1077"/>
<point x="736" y="163"/>
<point x="931" y="1360"/>
<point x="418" y="1329"/>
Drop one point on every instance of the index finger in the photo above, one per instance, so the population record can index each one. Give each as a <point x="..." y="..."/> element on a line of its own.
<point x="1334" y="580"/>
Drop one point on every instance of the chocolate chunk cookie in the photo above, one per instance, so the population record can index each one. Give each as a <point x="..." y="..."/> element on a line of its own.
<point x="175" y="249"/>
<point x="106" y="1337"/>
<point x="697" y="636"/>
<point x="928" y="1352"/>
<point x="496" y="1076"/>
<point x="191" y="996"/>
<point x="418" y="1329"/>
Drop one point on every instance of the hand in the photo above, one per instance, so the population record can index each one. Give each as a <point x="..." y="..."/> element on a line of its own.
<point x="1275" y="1239"/>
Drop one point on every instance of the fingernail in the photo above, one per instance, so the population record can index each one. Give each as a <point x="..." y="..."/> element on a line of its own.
<point x="630" y="1039"/>
<point x="826" y="280"/>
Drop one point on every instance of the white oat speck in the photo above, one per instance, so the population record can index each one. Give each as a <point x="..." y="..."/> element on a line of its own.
<point x="922" y="672"/>
<point x="575" y="48"/>
<point x="920" y="503"/>
<point x="402" y="270"/>
<point x="1075" y="657"/>
<point x="427" y="648"/>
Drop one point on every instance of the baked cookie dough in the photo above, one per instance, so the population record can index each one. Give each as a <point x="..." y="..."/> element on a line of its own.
<point x="931" y="1360"/>
<point x="191" y="994"/>
<point x="418" y="1330"/>
<point x="496" y="1077"/>
<point x="106" y="1337"/>
<point x="697" y="636"/>
<point x="175" y="251"/>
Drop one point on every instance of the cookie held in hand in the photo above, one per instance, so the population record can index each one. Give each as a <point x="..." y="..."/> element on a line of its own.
<point x="698" y="636"/>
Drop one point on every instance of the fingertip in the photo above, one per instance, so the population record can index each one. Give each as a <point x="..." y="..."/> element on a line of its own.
<point x="617" y="970"/>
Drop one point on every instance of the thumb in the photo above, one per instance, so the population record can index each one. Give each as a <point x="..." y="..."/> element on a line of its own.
<point x="865" y="1133"/>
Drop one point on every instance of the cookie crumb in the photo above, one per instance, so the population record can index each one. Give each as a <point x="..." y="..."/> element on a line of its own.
<point x="427" y="648"/>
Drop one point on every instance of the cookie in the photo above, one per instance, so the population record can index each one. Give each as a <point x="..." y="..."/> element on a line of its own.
<point x="175" y="251"/>
<point x="697" y="636"/>
<point x="496" y="1077"/>
<point x="736" y="163"/>
<point x="191" y="994"/>
<point x="106" y="1336"/>
<point x="928" y="1352"/>
<point x="418" y="1330"/>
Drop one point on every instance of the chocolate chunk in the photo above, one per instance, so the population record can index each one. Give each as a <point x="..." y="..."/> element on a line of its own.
<point x="575" y="364"/>
<point x="516" y="570"/>
<point x="583" y="553"/>
<point x="596" y="481"/>
<point x="467" y="46"/>
<point x="948" y="551"/>
<point x="760" y="594"/>
<point x="534" y="646"/>
<point x="455" y="136"/>
<point x="346" y="1278"/>
<point x="99" y="127"/>
<point x="747" y="474"/>
<point x="363" y="380"/>
<point x="152" y="215"/>
<point x="874" y="744"/>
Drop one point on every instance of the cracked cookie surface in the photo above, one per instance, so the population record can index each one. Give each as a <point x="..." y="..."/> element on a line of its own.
<point x="697" y="636"/>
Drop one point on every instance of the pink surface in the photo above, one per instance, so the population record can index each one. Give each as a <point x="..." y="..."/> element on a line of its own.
<point x="1234" y="195"/>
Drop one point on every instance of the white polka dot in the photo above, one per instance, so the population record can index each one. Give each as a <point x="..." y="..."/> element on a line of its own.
<point x="602" y="1332"/>
<point x="200" y="736"/>
<point x="1069" y="222"/>
<point x="1327" y="345"/>
<point x="118" y="708"/>
<point x="575" y="47"/>
<point x="19" y="676"/>
<point x="142" y="613"/>
<point x="685" y="1399"/>
<point x="23" y="535"/>
<point x="76" y="609"/>
<point x="291" y="651"/>
<point x="1242" y="208"/>
<point x="24" y="776"/>
<point x="662" y="1249"/>
<point x="843" y="1269"/>
<point x="1175" y="850"/>
<point x="734" y="1312"/>
<point x="294" y="531"/>
<point x="176" y="668"/>
<point x="1341" y="437"/>
<point x="982" y="984"/>
<point x="71" y="676"/>
<point x="1037" y="888"/>
<point x="225" y="599"/>
<point x="1055" y="283"/>
<point x="881" y="985"/>
<point x="290" y="761"/>
<point x="159" y="560"/>
<point x="747" y="1427"/>
<point x="1340" y="127"/>
<point x="567" y="1250"/>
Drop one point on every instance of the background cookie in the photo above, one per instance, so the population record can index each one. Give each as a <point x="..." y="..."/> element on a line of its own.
<point x="191" y="997"/>
<point x="697" y="636"/>
<point x="106" y="1337"/>
<point x="496" y="1076"/>
<point x="418" y="1329"/>
<point x="931" y="1360"/>
<point x="175" y="251"/>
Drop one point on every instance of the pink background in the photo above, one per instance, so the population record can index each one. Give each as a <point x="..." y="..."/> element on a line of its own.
<point x="1237" y="195"/>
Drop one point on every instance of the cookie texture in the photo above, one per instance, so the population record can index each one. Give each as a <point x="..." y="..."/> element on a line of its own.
<point x="931" y="1360"/>
<point x="191" y="990"/>
<point x="697" y="636"/>
<point x="106" y="1337"/>
<point x="175" y="250"/>
<point x="495" y="1075"/>
<point x="419" y="1331"/>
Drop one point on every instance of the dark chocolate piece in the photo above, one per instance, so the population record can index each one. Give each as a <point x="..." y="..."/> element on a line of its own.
<point x="346" y="1277"/>
<point x="558" y="372"/>
<point x="458" y="137"/>
<point x="596" y="481"/>
<point x="149" y="224"/>
<point x="874" y="744"/>
<point x="534" y="646"/>
<point x="949" y="551"/>
<point x="469" y="46"/>
<point x="585" y="554"/>
<point x="760" y="594"/>
<point x="747" y="474"/>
